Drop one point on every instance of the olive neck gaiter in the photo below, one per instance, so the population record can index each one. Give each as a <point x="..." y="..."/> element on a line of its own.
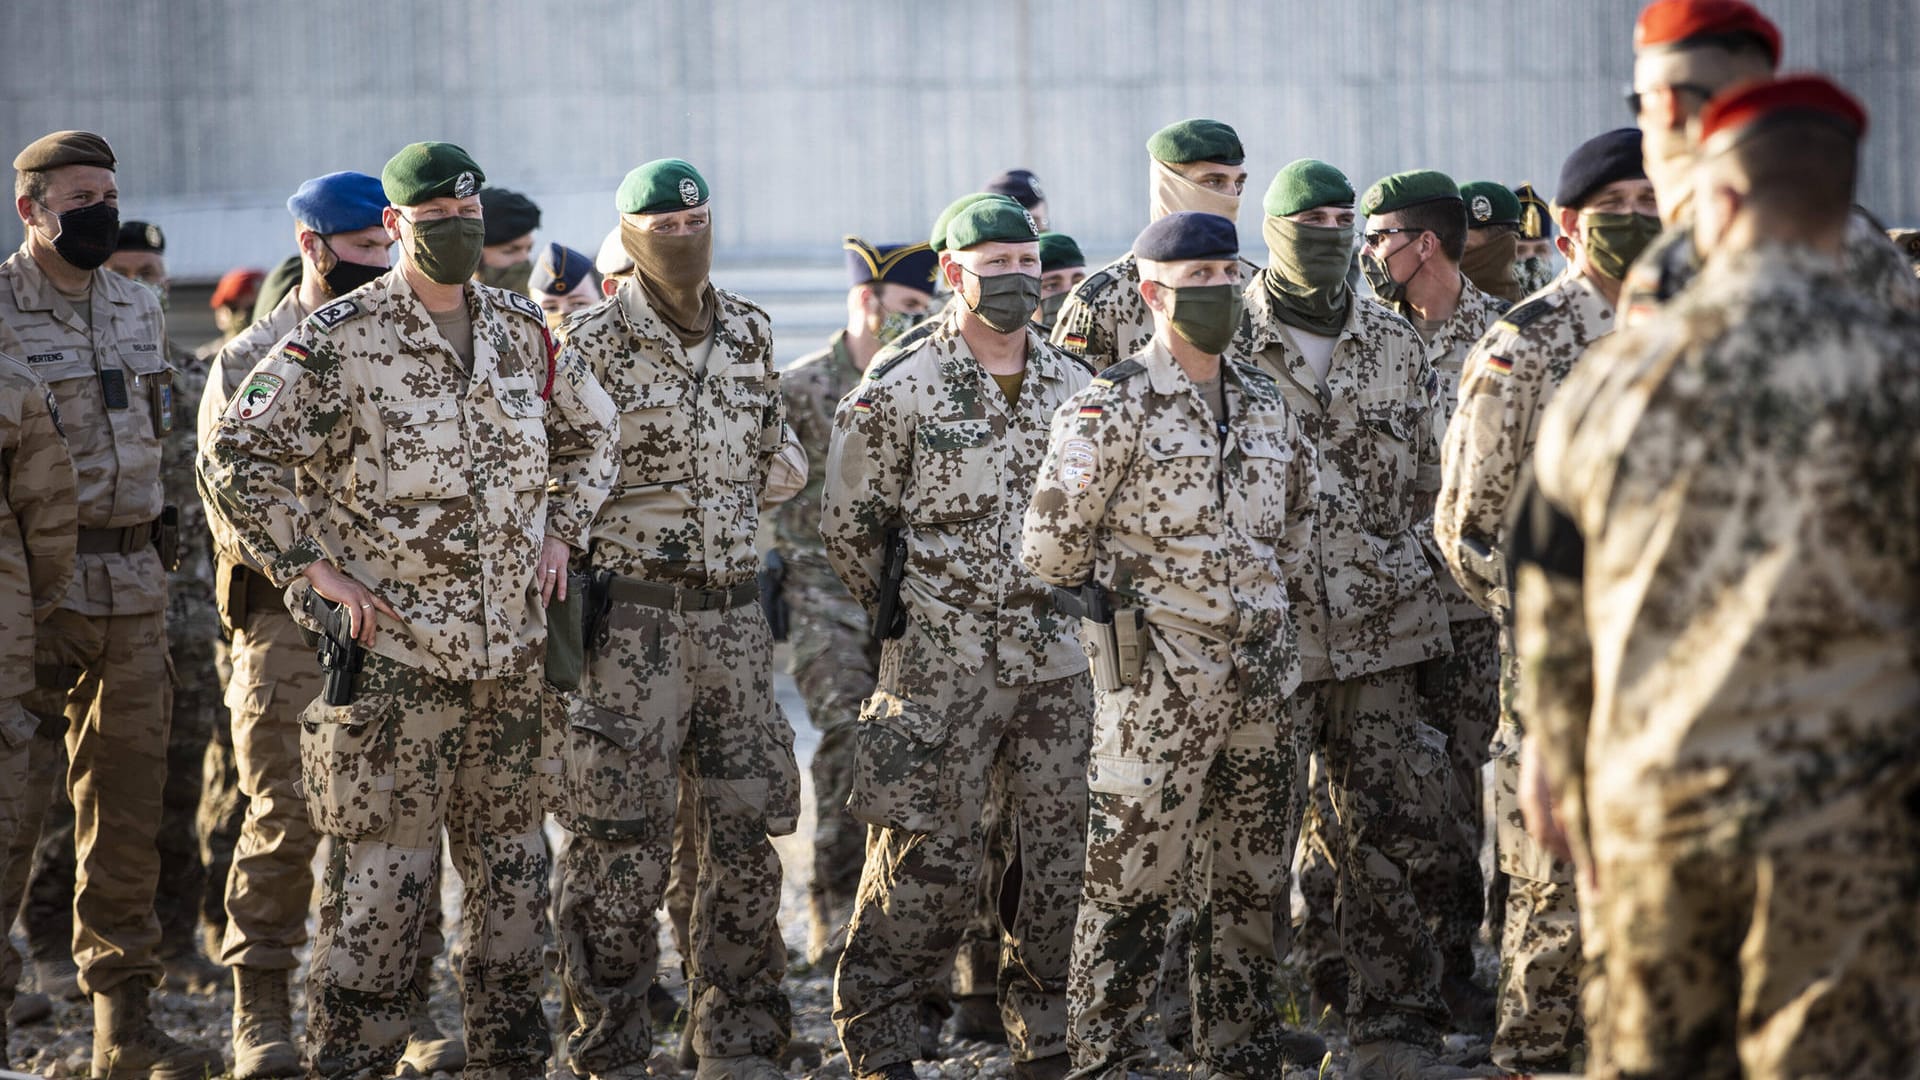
<point x="1490" y="266"/>
<point x="513" y="277"/>
<point x="672" y="272"/>
<point x="1306" y="274"/>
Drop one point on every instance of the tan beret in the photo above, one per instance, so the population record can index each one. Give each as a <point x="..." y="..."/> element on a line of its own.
<point x="64" y="148"/>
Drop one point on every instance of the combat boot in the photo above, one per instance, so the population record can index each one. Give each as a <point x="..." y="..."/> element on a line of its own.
<point x="744" y="1067"/>
<point x="429" y="1050"/>
<point x="899" y="1070"/>
<point x="977" y="1017"/>
<point x="1055" y="1067"/>
<point x="262" y="1025"/>
<point x="127" y="1045"/>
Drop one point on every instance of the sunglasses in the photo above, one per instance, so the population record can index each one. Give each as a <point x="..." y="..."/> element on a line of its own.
<point x="1636" y="98"/>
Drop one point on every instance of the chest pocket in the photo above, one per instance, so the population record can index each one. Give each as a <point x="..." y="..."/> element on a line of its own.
<point x="524" y="449"/>
<point x="426" y="454"/>
<point x="1178" y="492"/>
<point x="656" y="432"/>
<point x="955" y="472"/>
<point x="747" y="407"/>
<point x="1389" y="429"/>
<point x="1266" y="457"/>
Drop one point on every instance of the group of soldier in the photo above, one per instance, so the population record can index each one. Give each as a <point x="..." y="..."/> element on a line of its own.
<point x="1116" y="596"/>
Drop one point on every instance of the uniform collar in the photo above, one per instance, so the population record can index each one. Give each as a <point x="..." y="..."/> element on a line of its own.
<point x="644" y="324"/>
<point x="33" y="291"/>
<point x="413" y="324"/>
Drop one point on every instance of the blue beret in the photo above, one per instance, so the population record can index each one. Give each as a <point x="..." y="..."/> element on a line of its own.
<point x="1020" y="185"/>
<point x="1188" y="234"/>
<point x="912" y="265"/>
<point x="1598" y="162"/>
<point x="338" y="202"/>
<point x="559" y="270"/>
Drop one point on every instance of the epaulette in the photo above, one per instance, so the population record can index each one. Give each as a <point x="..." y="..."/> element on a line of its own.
<point x="327" y="317"/>
<point x="1084" y="292"/>
<point x="1255" y="378"/>
<point x="1527" y="313"/>
<point x="744" y="302"/>
<point x="521" y="303"/>
<point x="904" y="346"/>
<point x="1120" y="372"/>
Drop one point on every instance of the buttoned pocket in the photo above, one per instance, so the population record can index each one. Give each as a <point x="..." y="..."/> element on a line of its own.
<point x="955" y="473"/>
<point x="425" y="449"/>
<point x="746" y="406"/>
<point x="1177" y="492"/>
<point x="656" y="432"/>
<point x="1127" y="800"/>
<point x="1390" y="431"/>
<point x="1264" y="486"/>
<point x="897" y="779"/>
<point x="523" y="450"/>
<point x="614" y="788"/>
<point x="348" y="765"/>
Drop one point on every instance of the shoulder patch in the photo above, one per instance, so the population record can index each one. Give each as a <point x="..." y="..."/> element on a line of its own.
<point x="53" y="411"/>
<point x="1093" y="286"/>
<point x="1526" y="313"/>
<point x="332" y="315"/>
<point x="905" y="346"/>
<point x="522" y="304"/>
<point x="1120" y="372"/>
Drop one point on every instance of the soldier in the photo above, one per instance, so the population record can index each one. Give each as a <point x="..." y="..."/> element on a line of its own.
<point x="1726" y="514"/>
<point x="1193" y="165"/>
<point x="37" y="526"/>
<point x="1512" y="373"/>
<point x="679" y="689"/>
<point x="1368" y="613"/>
<point x="1062" y="269"/>
<point x="1023" y="187"/>
<point x="1908" y="241"/>
<point x="933" y="461"/>
<point x="1686" y="51"/>
<point x="1490" y="259"/>
<point x="1418" y="225"/>
<point x="506" y="258"/>
<point x="1536" y="250"/>
<point x="232" y="304"/>
<point x="98" y="341"/>
<point x="456" y="384"/>
<point x="1178" y="484"/>
<point x="563" y="282"/>
<point x="834" y="655"/>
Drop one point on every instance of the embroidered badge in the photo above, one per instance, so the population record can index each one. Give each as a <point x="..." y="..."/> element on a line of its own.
<point x="1077" y="461"/>
<point x="258" y="395"/>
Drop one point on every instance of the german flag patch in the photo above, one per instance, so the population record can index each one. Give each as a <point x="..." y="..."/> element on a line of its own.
<point x="1500" y="364"/>
<point x="1076" y="342"/>
<point x="862" y="405"/>
<point x="1093" y="410"/>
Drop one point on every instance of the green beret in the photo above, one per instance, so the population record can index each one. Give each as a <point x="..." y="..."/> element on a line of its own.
<point x="937" y="240"/>
<point x="995" y="218"/>
<point x="661" y="187"/>
<point x="64" y="148"/>
<point x="1305" y="184"/>
<point x="430" y="170"/>
<point x="1401" y="190"/>
<point x="1059" y="252"/>
<point x="1196" y="140"/>
<point x="1489" y="203"/>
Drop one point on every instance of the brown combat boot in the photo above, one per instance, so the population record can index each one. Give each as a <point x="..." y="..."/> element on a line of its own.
<point x="127" y="1045"/>
<point x="429" y="1050"/>
<point x="262" y="1025"/>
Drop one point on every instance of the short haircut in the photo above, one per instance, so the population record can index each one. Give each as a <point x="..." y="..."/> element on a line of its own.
<point x="1444" y="218"/>
<point x="32" y="183"/>
<point x="1798" y="167"/>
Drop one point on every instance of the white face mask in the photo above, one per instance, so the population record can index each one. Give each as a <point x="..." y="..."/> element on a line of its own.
<point x="1169" y="192"/>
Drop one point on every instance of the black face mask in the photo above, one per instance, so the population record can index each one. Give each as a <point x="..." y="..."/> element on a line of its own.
<point x="344" y="277"/>
<point x="89" y="235"/>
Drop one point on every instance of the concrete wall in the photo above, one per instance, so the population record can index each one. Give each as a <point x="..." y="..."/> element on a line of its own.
<point x="817" y="117"/>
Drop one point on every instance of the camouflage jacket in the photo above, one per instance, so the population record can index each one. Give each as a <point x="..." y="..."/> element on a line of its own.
<point x="1105" y="319"/>
<point x="927" y="441"/>
<point x="1199" y="524"/>
<point x="1738" y="491"/>
<point x="190" y="587"/>
<point x="1510" y="375"/>
<point x="1368" y="601"/>
<point x="812" y="386"/>
<point x="37" y="521"/>
<point x="433" y="488"/>
<point x="695" y="448"/>
<point x="114" y="387"/>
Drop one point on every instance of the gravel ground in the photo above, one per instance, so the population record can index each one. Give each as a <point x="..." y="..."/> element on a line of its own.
<point x="61" y="1046"/>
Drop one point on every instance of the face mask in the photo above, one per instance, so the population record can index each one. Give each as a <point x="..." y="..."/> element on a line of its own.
<point x="1613" y="241"/>
<point x="1490" y="266"/>
<point x="1207" y="316"/>
<point x="1169" y="192"/>
<point x="894" y="324"/>
<point x="1006" y="301"/>
<point x="87" y="235"/>
<point x="513" y="277"/>
<point x="447" y="249"/>
<point x="343" y="277"/>
<point x="1050" y="308"/>
<point x="1389" y="289"/>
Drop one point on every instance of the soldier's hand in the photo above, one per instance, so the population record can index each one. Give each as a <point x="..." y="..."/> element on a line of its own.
<point x="550" y="574"/>
<point x="1536" y="802"/>
<point x="359" y="601"/>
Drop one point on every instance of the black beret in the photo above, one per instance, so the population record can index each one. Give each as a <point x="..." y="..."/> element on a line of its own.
<point x="509" y="215"/>
<point x="1020" y="185"/>
<point x="1187" y="234"/>
<point x="1598" y="162"/>
<point x="64" y="148"/>
<point x="141" y="236"/>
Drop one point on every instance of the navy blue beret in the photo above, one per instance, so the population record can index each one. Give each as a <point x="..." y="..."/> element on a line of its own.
<point x="1598" y="162"/>
<point x="912" y="265"/>
<point x="558" y="270"/>
<point x="339" y="202"/>
<point x="1188" y="234"/>
<point x="1020" y="185"/>
<point x="508" y="215"/>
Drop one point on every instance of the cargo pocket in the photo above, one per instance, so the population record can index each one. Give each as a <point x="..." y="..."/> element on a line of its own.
<point x="783" y="794"/>
<point x="1125" y="797"/>
<point x="897" y="778"/>
<point x="17" y="725"/>
<point x="549" y="765"/>
<point x="607" y="788"/>
<point x="347" y="759"/>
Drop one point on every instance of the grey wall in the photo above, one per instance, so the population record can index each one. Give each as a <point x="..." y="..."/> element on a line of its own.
<point x="821" y="117"/>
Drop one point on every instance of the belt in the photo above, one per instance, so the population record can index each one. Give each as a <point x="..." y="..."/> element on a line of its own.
<point x="674" y="598"/>
<point x="110" y="541"/>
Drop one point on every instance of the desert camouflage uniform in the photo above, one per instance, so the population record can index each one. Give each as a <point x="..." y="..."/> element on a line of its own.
<point x="682" y="688"/>
<point x="1192" y="521"/>
<point x="1105" y="319"/>
<point x="1729" y="496"/>
<point x="38" y="511"/>
<point x="834" y="658"/>
<point x="431" y="483"/>
<point x="987" y="676"/>
<point x="1368" y="611"/>
<point x="1511" y="375"/>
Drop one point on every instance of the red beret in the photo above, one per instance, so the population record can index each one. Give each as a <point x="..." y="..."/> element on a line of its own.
<point x="236" y="287"/>
<point x="1671" y="22"/>
<point x="1803" y="95"/>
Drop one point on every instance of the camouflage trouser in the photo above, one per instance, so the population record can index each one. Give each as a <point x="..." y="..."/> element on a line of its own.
<point x="223" y="813"/>
<point x="108" y="674"/>
<point x="1460" y="697"/>
<point x="1788" y="953"/>
<point x="1172" y="783"/>
<point x="1540" y="1029"/>
<point x="833" y="665"/>
<point x="670" y="695"/>
<point x="30" y="769"/>
<point x="1387" y="801"/>
<point x="412" y="753"/>
<point x="930" y="741"/>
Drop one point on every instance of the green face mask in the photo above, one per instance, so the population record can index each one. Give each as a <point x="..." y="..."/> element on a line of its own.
<point x="447" y="250"/>
<point x="1307" y="274"/>
<point x="1613" y="241"/>
<point x="1207" y="316"/>
<point x="1050" y="308"/>
<point x="513" y="277"/>
<point x="1006" y="301"/>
